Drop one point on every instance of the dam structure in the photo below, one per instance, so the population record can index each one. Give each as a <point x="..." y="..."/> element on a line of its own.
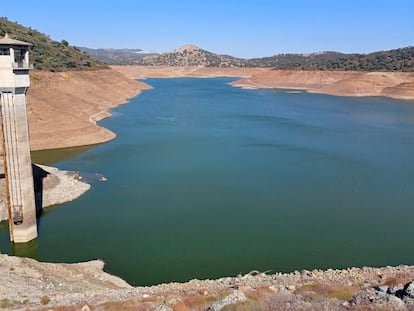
<point x="14" y="83"/>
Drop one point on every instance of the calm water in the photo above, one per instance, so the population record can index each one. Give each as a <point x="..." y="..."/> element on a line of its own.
<point x="207" y="180"/>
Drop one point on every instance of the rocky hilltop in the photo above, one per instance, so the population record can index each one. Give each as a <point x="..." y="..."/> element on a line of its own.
<point x="191" y="55"/>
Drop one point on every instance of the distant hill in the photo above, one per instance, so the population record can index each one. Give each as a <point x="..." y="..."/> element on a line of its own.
<point x="190" y="55"/>
<point x="393" y="60"/>
<point x="48" y="54"/>
<point x="117" y="56"/>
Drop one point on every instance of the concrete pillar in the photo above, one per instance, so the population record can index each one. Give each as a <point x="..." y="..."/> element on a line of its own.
<point x="22" y="209"/>
<point x="14" y="83"/>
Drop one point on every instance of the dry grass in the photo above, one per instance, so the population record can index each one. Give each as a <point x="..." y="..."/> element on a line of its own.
<point x="260" y="293"/>
<point x="250" y="305"/>
<point x="400" y="278"/>
<point x="320" y="291"/>
<point x="62" y="308"/>
<point x="125" y="305"/>
<point x="199" y="301"/>
<point x="45" y="300"/>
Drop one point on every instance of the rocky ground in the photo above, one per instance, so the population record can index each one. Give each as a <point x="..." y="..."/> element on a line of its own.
<point x="32" y="285"/>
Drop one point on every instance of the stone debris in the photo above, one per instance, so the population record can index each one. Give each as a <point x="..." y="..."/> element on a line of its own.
<point x="86" y="308"/>
<point x="399" y="297"/>
<point x="68" y="188"/>
<point x="236" y="297"/>
<point x="77" y="284"/>
<point x="163" y="308"/>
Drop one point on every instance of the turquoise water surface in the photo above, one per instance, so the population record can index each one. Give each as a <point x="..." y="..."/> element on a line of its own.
<point x="207" y="180"/>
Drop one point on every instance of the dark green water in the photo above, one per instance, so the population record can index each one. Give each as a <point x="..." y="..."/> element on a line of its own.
<point x="206" y="180"/>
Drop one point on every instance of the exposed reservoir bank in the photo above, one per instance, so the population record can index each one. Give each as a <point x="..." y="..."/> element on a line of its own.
<point x="206" y="180"/>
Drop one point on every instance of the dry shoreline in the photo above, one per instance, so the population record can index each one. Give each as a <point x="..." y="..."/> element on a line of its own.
<point x="64" y="107"/>
<point x="399" y="85"/>
<point x="32" y="285"/>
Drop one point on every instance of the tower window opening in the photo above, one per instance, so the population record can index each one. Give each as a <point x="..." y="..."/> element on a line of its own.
<point x="4" y="51"/>
<point x="19" y="55"/>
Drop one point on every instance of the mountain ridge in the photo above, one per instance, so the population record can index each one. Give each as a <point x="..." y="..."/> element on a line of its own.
<point x="113" y="56"/>
<point x="51" y="55"/>
<point x="401" y="59"/>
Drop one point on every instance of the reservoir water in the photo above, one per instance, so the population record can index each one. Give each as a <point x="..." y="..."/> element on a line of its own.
<point x="206" y="180"/>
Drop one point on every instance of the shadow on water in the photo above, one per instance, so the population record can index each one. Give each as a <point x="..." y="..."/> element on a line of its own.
<point x="38" y="175"/>
<point x="29" y="249"/>
<point x="51" y="156"/>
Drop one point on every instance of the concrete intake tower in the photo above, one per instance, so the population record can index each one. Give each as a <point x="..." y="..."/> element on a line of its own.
<point x="14" y="83"/>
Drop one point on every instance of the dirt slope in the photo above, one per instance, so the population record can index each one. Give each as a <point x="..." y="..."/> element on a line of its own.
<point x="343" y="83"/>
<point x="64" y="107"/>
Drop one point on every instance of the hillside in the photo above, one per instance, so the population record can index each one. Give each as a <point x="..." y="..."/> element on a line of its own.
<point x="190" y="55"/>
<point x="117" y="56"/>
<point x="47" y="54"/>
<point x="393" y="60"/>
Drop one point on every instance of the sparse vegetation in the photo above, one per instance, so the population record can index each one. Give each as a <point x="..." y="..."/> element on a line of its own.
<point x="393" y="60"/>
<point x="45" y="300"/>
<point x="398" y="278"/>
<point x="6" y="303"/>
<point x="116" y="56"/>
<point x="191" y="56"/>
<point x="199" y="302"/>
<point x="256" y="305"/>
<point x="47" y="54"/>
<point x="321" y="291"/>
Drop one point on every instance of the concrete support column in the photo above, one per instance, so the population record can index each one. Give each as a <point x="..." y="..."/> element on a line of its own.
<point x="19" y="168"/>
<point x="26" y="57"/>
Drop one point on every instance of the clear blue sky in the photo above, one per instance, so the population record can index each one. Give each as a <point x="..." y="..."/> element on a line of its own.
<point x="242" y="28"/>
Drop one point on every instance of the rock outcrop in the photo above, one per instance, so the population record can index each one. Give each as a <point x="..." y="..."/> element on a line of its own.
<point x="191" y="55"/>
